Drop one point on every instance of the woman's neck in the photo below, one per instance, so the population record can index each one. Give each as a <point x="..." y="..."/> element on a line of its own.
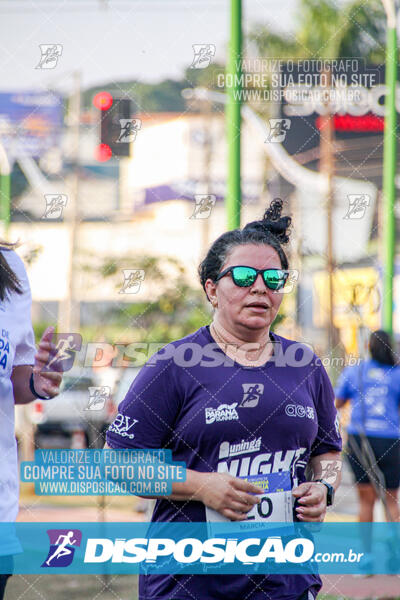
<point x="233" y="336"/>
<point x="245" y="352"/>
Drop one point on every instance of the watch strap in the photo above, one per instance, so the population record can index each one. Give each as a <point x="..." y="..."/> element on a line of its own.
<point x="34" y="392"/>
<point x="331" y="491"/>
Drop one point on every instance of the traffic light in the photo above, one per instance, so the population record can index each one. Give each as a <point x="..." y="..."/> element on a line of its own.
<point x="116" y="127"/>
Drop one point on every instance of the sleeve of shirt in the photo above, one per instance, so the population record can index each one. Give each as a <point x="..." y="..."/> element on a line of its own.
<point x="397" y="385"/>
<point x="328" y="437"/>
<point x="25" y="343"/>
<point x="344" y="388"/>
<point x="147" y="415"/>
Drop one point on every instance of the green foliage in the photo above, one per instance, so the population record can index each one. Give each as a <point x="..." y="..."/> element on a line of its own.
<point x="39" y="328"/>
<point x="325" y="29"/>
<point x="175" y="310"/>
<point x="19" y="183"/>
<point x="366" y="31"/>
<point x="164" y="96"/>
<point x="204" y="77"/>
<point x="273" y="45"/>
<point x="176" y="313"/>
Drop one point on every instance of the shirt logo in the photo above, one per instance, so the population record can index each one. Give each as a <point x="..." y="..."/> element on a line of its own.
<point x="376" y="374"/>
<point x="224" y="412"/>
<point x="297" y="410"/>
<point x="62" y="547"/>
<point x="4" y="349"/>
<point x="243" y="447"/>
<point x="251" y="395"/>
<point x="122" y="426"/>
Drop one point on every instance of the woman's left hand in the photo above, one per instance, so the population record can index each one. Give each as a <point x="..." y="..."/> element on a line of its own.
<point x="47" y="383"/>
<point x="311" y="501"/>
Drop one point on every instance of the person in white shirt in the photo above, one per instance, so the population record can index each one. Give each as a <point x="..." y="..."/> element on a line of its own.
<point x="21" y="381"/>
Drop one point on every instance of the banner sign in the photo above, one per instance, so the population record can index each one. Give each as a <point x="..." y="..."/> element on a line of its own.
<point x="30" y="122"/>
<point x="356" y="98"/>
<point x="103" y="472"/>
<point x="192" y="548"/>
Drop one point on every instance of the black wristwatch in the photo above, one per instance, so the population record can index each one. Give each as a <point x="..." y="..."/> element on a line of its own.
<point x="331" y="492"/>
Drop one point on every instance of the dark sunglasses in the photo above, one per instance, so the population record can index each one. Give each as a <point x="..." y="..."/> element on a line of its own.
<point x="242" y="276"/>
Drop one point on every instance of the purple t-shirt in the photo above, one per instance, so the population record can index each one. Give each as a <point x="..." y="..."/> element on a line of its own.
<point x="217" y="415"/>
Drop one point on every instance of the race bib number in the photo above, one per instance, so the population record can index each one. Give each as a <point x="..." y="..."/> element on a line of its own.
<point x="276" y="500"/>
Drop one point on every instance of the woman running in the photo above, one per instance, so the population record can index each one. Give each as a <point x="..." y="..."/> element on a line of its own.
<point x="373" y="446"/>
<point x="234" y="403"/>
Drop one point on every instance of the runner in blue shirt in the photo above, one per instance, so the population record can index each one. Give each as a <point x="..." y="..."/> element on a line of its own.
<point x="373" y="388"/>
<point x="237" y="402"/>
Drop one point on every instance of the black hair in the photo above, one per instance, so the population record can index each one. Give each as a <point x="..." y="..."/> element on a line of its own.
<point x="271" y="230"/>
<point x="9" y="282"/>
<point x="380" y="347"/>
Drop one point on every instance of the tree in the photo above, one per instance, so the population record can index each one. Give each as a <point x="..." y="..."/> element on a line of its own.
<point x="327" y="30"/>
<point x="175" y="310"/>
<point x="164" y="96"/>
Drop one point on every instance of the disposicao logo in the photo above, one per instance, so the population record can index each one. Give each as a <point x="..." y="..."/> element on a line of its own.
<point x="191" y="550"/>
<point x="62" y="547"/>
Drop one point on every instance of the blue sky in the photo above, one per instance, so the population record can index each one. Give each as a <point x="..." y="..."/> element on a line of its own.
<point x="148" y="40"/>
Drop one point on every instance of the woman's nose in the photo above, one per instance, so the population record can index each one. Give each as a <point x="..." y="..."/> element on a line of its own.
<point x="259" y="283"/>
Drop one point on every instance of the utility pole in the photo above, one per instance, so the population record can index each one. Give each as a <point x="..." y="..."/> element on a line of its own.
<point x="233" y="117"/>
<point x="327" y="167"/>
<point x="389" y="166"/>
<point x="296" y="258"/>
<point x="207" y="154"/>
<point x="69" y="320"/>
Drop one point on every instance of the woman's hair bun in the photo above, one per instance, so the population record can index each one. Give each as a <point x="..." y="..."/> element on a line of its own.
<point x="273" y="222"/>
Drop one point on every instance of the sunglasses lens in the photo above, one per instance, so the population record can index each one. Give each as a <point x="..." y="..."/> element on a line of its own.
<point x="275" y="278"/>
<point x="244" y="276"/>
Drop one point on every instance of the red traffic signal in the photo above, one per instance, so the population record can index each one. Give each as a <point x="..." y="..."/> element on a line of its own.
<point x="103" y="152"/>
<point x="112" y="121"/>
<point x="103" y="100"/>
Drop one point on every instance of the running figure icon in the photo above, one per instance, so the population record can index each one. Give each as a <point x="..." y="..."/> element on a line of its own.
<point x="62" y="549"/>
<point x="62" y="349"/>
<point x="126" y="131"/>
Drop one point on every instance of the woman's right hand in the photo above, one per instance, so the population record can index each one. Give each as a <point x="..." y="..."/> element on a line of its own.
<point x="231" y="496"/>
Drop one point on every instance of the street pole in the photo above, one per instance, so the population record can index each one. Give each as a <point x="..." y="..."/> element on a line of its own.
<point x="233" y="118"/>
<point x="327" y="167"/>
<point x="389" y="167"/>
<point x="207" y="155"/>
<point x="69" y="320"/>
<point x="5" y="183"/>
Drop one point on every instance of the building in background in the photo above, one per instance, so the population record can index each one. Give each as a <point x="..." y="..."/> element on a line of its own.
<point x="144" y="204"/>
